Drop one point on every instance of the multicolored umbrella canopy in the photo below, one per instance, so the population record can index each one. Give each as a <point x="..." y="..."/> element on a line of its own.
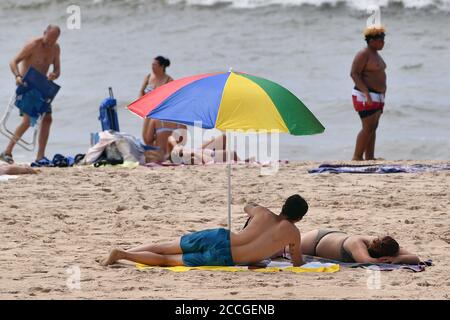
<point x="228" y="101"/>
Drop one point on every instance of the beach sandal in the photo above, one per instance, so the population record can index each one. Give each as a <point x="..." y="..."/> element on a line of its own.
<point x="43" y="162"/>
<point x="7" y="158"/>
<point x="102" y="162"/>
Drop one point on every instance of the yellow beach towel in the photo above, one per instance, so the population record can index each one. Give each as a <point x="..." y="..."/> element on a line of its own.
<point x="273" y="266"/>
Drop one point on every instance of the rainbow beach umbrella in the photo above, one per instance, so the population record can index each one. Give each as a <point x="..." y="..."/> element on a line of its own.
<point x="229" y="101"/>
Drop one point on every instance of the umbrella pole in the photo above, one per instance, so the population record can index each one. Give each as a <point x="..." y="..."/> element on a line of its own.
<point x="229" y="179"/>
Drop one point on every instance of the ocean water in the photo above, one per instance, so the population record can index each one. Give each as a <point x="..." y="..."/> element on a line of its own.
<point x="305" y="45"/>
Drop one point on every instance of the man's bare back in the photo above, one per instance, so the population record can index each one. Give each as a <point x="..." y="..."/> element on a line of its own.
<point x="266" y="234"/>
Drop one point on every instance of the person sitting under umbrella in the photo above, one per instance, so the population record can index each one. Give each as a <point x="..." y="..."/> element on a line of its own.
<point x="266" y="234"/>
<point x="157" y="78"/>
<point x="156" y="132"/>
<point x="337" y="245"/>
<point x="157" y="135"/>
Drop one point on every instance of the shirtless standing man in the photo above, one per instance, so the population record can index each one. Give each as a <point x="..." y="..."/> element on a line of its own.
<point x="368" y="73"/>
<point x="39" y="53"/>
<point x="265" y="235"/>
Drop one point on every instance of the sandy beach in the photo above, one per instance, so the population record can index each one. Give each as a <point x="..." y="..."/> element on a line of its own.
<point x="64" y="218"/>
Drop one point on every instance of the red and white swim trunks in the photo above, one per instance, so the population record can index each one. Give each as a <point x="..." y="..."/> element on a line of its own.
<point x="359" y="101"/>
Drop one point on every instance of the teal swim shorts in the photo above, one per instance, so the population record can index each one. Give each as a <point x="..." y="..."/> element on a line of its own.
<point x="207" y="248"/>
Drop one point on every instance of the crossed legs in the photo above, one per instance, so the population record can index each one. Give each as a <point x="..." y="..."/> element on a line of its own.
<point x="164" y="254"/>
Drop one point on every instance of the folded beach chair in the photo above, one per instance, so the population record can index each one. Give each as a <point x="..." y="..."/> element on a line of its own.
<point x="34" y="99"/>
<point x="108" y="113"/>
<point x="107" y="116"/>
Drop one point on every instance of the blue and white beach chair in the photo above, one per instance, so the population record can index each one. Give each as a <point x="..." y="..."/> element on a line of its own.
<point x="107" y="116"/>
<point x="34" y="98"/>
<point x="108" y="113"/>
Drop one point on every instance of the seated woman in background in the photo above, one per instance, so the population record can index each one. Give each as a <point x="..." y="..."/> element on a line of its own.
<point x="155" y="79"/>
<point x="336" y="245"/>
<point x="157" y="135"/>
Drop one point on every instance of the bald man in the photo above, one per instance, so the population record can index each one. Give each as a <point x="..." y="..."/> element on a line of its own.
<point x="40" y="53"/>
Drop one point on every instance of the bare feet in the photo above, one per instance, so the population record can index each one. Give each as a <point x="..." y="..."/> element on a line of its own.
<point x="114" y="255"/>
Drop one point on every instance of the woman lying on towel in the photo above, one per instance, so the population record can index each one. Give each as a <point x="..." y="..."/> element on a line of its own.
<point x="212" y="151"/>
<point x="13" y="169"/>
<point x="336" y="245"/>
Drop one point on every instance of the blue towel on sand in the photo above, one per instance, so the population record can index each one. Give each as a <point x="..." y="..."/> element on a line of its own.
<point x="392" y="168"/>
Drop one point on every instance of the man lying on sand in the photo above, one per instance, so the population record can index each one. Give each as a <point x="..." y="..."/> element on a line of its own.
<point x="15" y="169"/>
<point x="337" y="245"/>
<point x="265" y="235"/>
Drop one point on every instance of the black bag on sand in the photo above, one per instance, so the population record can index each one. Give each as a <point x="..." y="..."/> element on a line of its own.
<point x="111" y="155"/>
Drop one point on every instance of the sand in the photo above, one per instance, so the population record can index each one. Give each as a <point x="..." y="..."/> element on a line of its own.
<point x="56" y="223"/>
